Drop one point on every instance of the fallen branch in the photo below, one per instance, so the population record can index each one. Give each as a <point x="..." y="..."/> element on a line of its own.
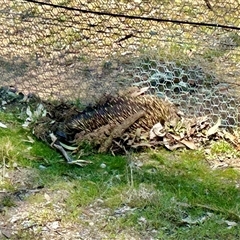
<point x="119" y="130"/>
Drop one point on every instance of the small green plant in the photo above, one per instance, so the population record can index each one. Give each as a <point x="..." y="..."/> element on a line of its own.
<point x="7" y="159"/>
<point x="7" y="201"/>
<point x="222" y="147"/>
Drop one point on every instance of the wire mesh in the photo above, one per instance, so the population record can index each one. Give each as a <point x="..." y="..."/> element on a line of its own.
<point x="187" y="51"/>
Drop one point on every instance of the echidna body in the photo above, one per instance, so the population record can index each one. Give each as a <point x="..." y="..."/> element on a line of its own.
<point x="116" y="109"/>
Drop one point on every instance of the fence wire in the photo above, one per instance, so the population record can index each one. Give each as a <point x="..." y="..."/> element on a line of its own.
<point x="187" y="51"/>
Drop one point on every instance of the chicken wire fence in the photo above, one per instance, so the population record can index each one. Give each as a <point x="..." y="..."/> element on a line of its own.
<point x="183" y="50"/>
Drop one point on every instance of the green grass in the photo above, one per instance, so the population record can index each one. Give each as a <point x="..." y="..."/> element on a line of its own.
<point x="167" y="196"/>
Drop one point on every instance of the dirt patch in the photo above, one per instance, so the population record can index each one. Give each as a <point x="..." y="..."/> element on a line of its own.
<point x="47" y="219"/>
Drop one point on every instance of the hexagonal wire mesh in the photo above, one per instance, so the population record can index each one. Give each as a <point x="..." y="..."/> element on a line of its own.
<point x="185" y="50"/>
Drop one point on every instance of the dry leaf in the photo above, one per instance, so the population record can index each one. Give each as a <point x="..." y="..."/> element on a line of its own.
<point x="139" y="92"/>
<point x="70" y="148"/>
<point x="214" y="128"/>
<point x="178" y="138"/>
<point x="229" y="137"/>
<point x="2" y="125"/>
<point x="230" y="224"/>
<point x="157" y="130"/>
<point x="29" y="140"/>
<point x="148" y="145"/>
<point x="29" y="112"/>
<point x="47" y="197"/>
<point x="189" y="144"/>
<point x="173" y="147"/>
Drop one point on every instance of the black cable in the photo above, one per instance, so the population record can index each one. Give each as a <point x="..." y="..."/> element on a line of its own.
<point x="136" y="17"/>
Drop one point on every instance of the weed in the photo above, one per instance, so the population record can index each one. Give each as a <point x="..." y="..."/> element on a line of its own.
<point x="222" y="147"/>
<point x="7" y="201"/>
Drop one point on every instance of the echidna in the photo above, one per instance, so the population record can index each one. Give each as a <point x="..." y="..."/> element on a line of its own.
<point x="105" y="122"/>
<point x="116" y="109"/>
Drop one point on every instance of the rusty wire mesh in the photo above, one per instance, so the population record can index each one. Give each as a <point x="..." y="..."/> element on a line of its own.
<point x="187" y="51"/>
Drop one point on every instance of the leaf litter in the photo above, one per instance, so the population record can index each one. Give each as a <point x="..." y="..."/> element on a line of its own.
<point x="191" y="133"/>
<point x="47" y="120"/>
